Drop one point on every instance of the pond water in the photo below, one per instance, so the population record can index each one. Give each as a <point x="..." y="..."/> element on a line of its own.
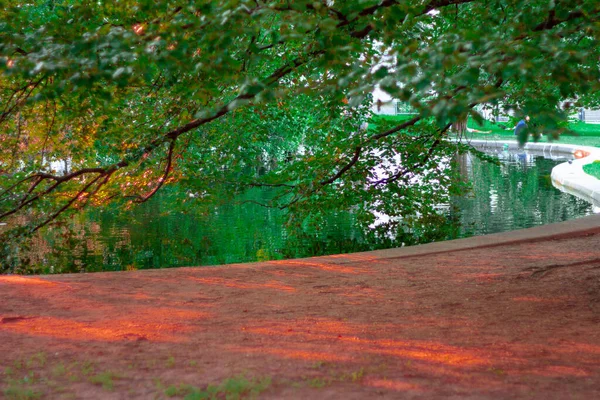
<point x="516" y="194"/>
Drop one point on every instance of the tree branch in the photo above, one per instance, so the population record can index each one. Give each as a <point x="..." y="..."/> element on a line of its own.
<point x="58" y="180"/>
<point x="66" y="206"/>
<point x="551" y="22"/>
<point x="171" y="136"/>
<point x="345" y="168"/>
<point x="163" y="179"/>
<point x="432" y="5"/>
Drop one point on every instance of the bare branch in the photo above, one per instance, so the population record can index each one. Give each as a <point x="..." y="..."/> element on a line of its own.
<point x="58" y="180"/>
<point x="24" y="93"/>
<point x="398" y="128"/>
<point x="8" y="190"/>
<point x="162" y="179"/>
<point x="98" y="187"/>
<point x="345" y="168"/>
<point x="66" y="206"/>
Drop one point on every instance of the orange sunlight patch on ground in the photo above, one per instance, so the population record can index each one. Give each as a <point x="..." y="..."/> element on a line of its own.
<point x="119" y="330"/>
<point x="287" y="274"/>
<point x="234" y="283"/>
<point x="416" y="350"/>
<point x="323" y="266"/>
<point x="354" y="257"/>
<point x="156" y="314"/>
<point x="25" y="281"/>
<point x="398" y="386"/>
<point x="460" y="357"/>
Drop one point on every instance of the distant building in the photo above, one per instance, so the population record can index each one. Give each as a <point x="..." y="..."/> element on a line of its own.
<point x="590" y="116"/>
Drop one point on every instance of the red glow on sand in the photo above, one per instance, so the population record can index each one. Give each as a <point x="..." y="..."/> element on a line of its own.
<point x="234" y="283"/>
<point x="323" y="266"/>
<point x="354" y="257"/>
<point x="410" y="349"/>
<point x="107" y="331"/>
<point x="171" y="314"/>
<point x="25" y="280"/>
<point x="287" y="274"/>
<point x="430" y="353"/>
<point x="398" y="386"/>
<point x="162" y="324"/>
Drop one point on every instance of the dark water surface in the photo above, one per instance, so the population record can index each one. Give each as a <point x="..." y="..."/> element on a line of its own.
<point x="516" y="194"/>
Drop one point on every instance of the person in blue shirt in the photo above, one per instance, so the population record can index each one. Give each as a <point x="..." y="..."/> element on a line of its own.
<point x="521" y="125"/>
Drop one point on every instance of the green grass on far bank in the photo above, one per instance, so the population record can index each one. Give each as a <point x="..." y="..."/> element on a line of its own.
<point x="379" y="120"/>
<point x="583" y="134"/>
<point x="583" y="129"/>
<point x="593" y="169"/>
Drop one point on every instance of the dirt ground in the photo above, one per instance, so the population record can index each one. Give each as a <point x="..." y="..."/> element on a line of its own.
<point x="520" y="320"/>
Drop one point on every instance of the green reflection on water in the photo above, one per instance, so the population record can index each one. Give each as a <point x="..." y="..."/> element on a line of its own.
<point x="514" y="195"/>
<point x="171" y="230"/>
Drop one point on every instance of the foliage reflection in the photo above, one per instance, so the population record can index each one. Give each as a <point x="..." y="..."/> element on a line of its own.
<point x="172" y="230"/>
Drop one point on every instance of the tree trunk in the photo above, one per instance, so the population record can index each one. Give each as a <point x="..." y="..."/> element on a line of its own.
<point x="460" y="125"/>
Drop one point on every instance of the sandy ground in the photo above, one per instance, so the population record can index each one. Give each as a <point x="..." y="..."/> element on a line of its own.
<point x="519" y="320"/>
